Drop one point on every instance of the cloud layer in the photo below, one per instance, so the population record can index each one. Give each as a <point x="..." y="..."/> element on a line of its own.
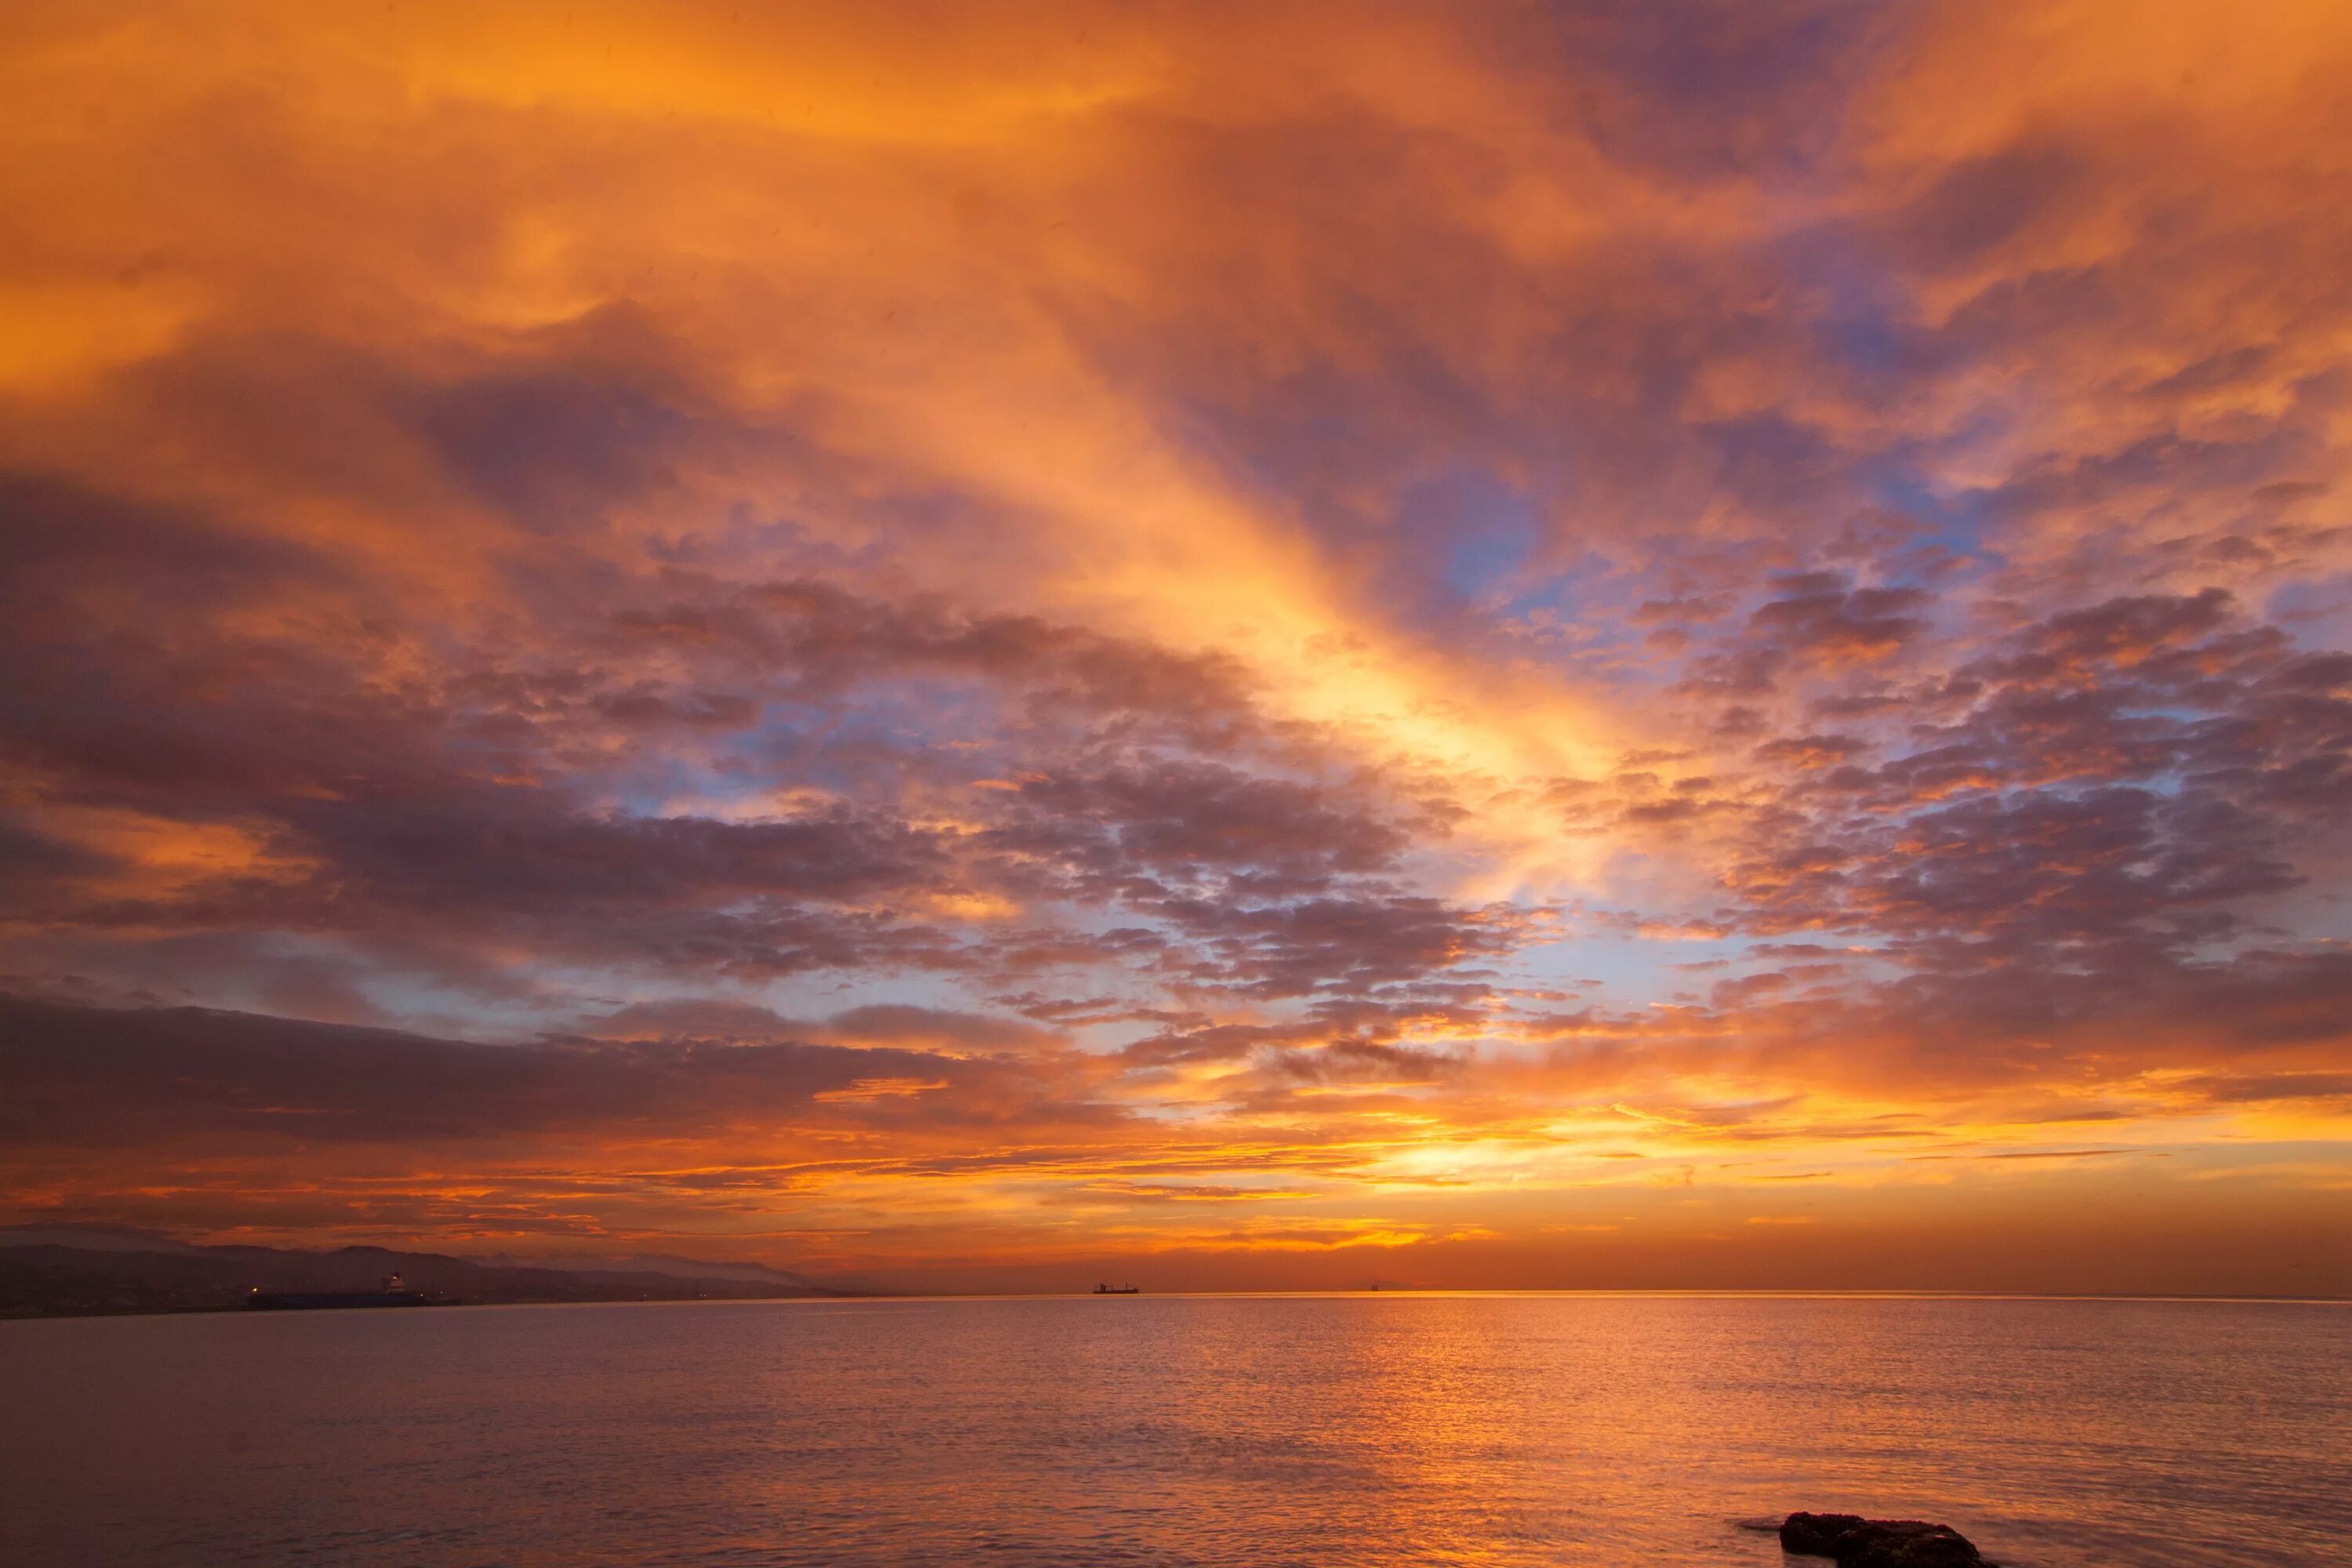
<point x="1514" y="647"/>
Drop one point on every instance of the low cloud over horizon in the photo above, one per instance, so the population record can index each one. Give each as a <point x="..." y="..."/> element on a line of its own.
<point x="1535" y="646"/>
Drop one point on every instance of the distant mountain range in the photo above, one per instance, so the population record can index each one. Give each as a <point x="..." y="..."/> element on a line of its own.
<point x="54" y="1271"/>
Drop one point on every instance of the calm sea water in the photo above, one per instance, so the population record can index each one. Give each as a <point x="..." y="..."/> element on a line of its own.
<point x="1236" y="1430"/>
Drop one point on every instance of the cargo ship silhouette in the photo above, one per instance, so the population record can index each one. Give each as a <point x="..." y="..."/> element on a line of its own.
<point x="1118" y="1290"/>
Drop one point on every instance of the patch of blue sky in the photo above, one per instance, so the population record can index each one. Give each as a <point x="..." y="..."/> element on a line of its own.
<point x="1643" y="970"/>
<point x="1955" y="520"/>
<point x="2317" y="609"/>
<point x="1489" y="532"/>
<point x="823" y="992"/>
<point x="844" y="749"/>
<point x="1632" y="970"/>
<point x="430" y="1001"/>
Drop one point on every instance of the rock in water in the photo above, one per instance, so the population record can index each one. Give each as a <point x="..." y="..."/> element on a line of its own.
<point x="1858" y="1542"/>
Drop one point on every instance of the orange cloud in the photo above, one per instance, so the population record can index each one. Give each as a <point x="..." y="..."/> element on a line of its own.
<point x="945" y="642"/>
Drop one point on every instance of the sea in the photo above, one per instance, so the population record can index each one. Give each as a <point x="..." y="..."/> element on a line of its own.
<point x="1239" y="1431"/>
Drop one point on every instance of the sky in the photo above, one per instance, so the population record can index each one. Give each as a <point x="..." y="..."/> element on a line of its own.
<point x="1237" y="646"/>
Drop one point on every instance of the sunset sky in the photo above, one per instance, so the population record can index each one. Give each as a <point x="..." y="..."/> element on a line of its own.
<point x="1599" y="644"/>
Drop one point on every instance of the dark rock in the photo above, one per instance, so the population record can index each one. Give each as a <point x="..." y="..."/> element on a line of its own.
<point x="1858" y="1542"/>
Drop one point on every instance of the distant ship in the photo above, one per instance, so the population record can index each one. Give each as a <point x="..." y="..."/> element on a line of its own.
<point x="1118" y="1290"/>
<point x="392" y="1294"/>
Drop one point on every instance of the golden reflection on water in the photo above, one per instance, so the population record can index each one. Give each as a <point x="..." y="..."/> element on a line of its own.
<point x="1234" y="1430"/>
